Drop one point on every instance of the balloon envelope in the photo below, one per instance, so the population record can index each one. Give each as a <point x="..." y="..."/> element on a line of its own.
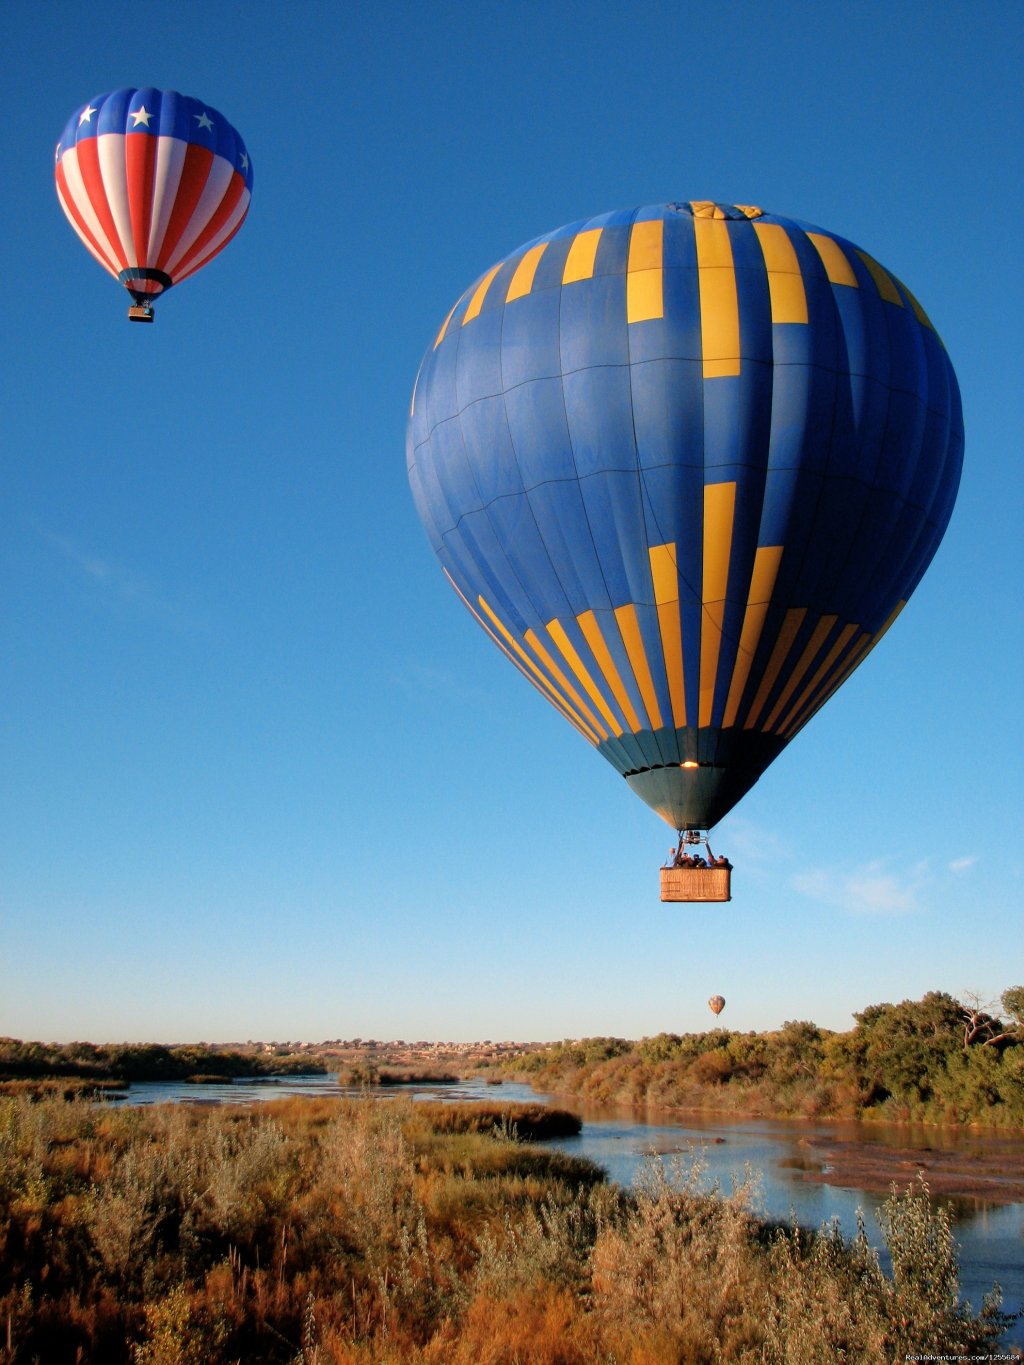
<point x="716" y="1004"/>
<point x="154" y="183"/>
<point x="685" y="464"/>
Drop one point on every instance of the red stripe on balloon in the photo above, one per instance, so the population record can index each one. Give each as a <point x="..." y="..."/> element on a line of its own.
<point x="140" y="164"/>
<point x="75" y="214"/>
<point x="221" y="215"/>
<point x="199" y="264"/>
<point x="194" y="174"/>
<point x="89" y="165"/>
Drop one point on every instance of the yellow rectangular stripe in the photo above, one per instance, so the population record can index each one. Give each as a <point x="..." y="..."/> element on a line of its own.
<point x="842" y="640"/>
<point x="645" y="294"/>
<point x="522" y="280"/>
<point x="444" y="326"/>
<point x="592" y="634"/>
<point x="785" y="282"/>
<point x="544" y="655"/>
<point x="522" y="654"/>
<point x="579" y="264"/>
<point x="762" y="583"/>
<point x="566" y="711"/>
<point x="477" y="301"/>
<point x="719" y="506"/>
<point x="719" y="306"/>
<point x="885" y="286"/>
<point x="574" y="661"/>
<point x="629" y="629"/>
<point x="646" y="245"/>
<point x="833" y="258"/>
<point x="791" y="623"/>
<point x="819" y="635"/>
<point x="666" y="597"/>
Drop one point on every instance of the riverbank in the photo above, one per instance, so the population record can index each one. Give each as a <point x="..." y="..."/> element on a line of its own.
<point x="396" y="1231"/>
<point x="930" y="1061"/>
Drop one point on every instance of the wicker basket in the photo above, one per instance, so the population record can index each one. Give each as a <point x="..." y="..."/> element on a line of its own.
<point x="696" y="883"/>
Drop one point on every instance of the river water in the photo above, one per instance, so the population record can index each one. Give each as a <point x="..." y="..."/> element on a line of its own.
<point x="991" y="1237"/>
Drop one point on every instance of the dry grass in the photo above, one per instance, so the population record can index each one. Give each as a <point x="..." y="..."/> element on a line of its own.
<point x="316" y="1232"/>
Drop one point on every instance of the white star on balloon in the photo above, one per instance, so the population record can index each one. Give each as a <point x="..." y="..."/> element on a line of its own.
<point x="141" y="115"/>
<point x="245" y="161"/>
<point x="86" y="115"/>
<point x="203" y="120"/>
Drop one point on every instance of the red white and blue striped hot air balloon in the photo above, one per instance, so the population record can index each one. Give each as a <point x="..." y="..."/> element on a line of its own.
<point x="155" y="184"/>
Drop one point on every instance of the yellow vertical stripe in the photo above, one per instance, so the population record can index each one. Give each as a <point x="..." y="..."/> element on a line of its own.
<point x="921" y="315"/>
<point x="791" y="623"/>
<point x="444" y="326"/>
<point x="842" y="641"/>
<point x="785" y="282"/>
<point x="522" y="280"/>
<point x="883" y="282"/>
<point x="719" y="507"/>
<point x="579" y="264"/>
<point x="833" y="258"/>
<point x="598" y="647"/>
<point x="477" y="301"/>
<point x="629" y="629"/>
<point x="762" y="583"/>
<point x="521" y="653"/>
<point x="574" y="661"/>
<point x="666" y="597"/>
<point x="818" y="637"/>
<point x="853" y="659"/>
<point x="719" y="305"/>
<point x="863" y="648"/>
<point x="565" y="710"/>
<point x="644" y="277"/>
<point x="889" y="620"/>
<point x="544" y="655"/>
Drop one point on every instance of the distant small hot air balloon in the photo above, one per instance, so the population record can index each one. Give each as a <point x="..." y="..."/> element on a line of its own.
<point x="716" y="1004"/>
<point x="155" y="184"/>
<point x="685" y="464"/>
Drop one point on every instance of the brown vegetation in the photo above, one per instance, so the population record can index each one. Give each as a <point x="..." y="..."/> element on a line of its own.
<point x="324" y="1232"/>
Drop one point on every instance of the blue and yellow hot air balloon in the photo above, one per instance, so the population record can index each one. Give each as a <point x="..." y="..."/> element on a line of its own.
<point x="685" y="464"/>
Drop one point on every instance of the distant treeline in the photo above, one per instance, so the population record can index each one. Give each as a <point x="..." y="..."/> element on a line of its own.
<point x="334" y="1232"/>
<point x="141" y="1062"/>
<point x="935" y="1060"/>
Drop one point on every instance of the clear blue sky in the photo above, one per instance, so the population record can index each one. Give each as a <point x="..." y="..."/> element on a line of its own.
<point x="262" y="775"/>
